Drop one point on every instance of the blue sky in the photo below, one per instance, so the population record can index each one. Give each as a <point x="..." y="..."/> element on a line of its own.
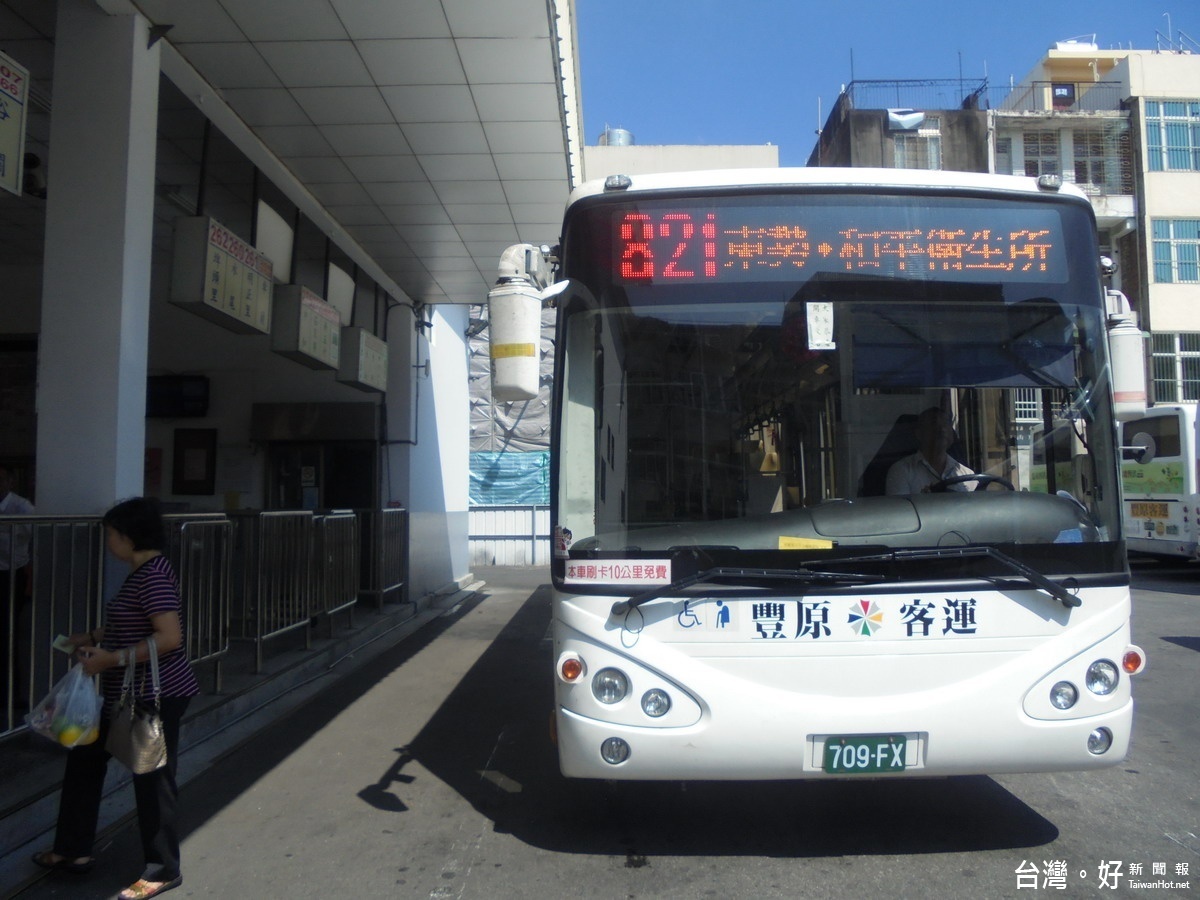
<point x="758" y="71"/>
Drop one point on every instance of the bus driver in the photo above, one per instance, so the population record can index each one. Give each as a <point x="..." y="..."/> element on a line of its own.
<point x="915" y="474"/>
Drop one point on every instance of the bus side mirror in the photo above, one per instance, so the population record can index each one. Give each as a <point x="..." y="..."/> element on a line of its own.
<point x="1142" y="450"/>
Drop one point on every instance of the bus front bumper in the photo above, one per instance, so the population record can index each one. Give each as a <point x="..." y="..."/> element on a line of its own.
<point x="783" y="747"/>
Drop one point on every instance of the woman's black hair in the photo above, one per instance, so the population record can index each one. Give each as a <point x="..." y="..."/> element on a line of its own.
<point x="140" y="520"/>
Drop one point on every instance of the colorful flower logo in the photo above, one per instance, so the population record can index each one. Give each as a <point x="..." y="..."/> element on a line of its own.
<point x="866" y="617"/>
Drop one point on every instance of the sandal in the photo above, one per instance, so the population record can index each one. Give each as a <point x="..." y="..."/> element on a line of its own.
<point x="143" y="889"/>
<point x="48" y="859"/>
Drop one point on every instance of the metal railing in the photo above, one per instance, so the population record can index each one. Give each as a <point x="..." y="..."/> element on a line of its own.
<point x="251" y="576"/>
<point x="384" y="554"/>
<point x="1064" y="96"/>
<point x="58" y="592"/>
<point x="293" y="566"/>
<point x="273" y="571"/>
<point x="201" y="548"/>
<point x="918" y="93"/>
<point x="62" y="593"/>
<point x="337" y="560"/>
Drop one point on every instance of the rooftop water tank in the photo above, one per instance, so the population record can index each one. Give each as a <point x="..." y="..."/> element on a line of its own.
<point x="616" y="137"/>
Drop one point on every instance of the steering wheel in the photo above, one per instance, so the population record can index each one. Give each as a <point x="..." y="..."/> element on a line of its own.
<point x="983" y="481"/>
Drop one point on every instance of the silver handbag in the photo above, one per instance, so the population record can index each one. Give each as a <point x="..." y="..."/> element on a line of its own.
<point x="135" y="734"/>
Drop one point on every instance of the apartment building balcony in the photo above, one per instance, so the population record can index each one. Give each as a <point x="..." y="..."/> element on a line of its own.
<point x="1091" y="149"/>
<point x="1114" y="211"/>
<point x="1053" y="98"/>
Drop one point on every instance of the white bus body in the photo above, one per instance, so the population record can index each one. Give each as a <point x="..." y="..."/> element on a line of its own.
<point x="1159" y="482"/>
<point x="740" y="360"/>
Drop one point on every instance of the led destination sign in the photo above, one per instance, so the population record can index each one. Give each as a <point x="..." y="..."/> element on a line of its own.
<point x="759" y="243"/>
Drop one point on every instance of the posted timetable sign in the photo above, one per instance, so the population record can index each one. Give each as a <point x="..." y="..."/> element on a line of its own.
<point x="306" y="328"/>
<point x="695" y="243"/>
<point x="220" y="276"/>
<point x="364" y="362"/>
<point x="14" y="93"/>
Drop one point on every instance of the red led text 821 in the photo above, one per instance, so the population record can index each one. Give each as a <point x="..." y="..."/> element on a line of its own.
<point x="670" y="245"/>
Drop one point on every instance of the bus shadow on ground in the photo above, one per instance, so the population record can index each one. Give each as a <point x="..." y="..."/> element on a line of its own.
<point x="1190" y="643"/>
<point x="490" y="741"/>
<point x="1172" y="576"/>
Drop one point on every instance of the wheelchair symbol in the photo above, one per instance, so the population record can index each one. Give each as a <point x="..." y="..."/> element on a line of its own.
<point x="687" y="616"/>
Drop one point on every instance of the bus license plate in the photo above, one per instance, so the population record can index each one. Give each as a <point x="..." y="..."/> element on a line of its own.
<point x="855" y="754"/>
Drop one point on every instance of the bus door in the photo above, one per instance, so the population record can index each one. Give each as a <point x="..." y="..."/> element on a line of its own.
<point x="1158" y="481"/>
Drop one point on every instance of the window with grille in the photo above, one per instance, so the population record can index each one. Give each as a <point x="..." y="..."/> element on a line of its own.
<point x="920" y="149"/>
<point x="1041" y="153"/>
<point x="1173" y="135"/>
<point x="1103" y="160"/>
<point x="1176" y="244"/>
<point x="1025" y="405"/>
<point x="1175" y="366"/>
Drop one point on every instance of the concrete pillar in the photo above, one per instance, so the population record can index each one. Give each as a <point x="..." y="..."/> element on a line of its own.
<point x="427" y="464"/>
<point x="96" y="282"/>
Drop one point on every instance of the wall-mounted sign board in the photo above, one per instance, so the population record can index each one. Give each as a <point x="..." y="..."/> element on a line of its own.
<point x="14" y="91"/>
<point x="364" y="362"/>
<point x="218" y="275"/>
<point x="305" y="328"/>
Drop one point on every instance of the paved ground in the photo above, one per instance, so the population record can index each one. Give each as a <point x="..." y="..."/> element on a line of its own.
<point x="426" y="773"/>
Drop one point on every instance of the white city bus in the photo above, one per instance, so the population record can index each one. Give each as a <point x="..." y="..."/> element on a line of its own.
<point x="741" y="356"/>
<point x="1159" y="482"/>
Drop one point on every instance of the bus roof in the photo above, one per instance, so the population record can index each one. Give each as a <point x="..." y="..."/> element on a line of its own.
<point x="818" y="177"/>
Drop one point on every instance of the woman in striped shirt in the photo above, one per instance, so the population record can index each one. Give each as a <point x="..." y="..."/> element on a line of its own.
<point x="148" y="604"/>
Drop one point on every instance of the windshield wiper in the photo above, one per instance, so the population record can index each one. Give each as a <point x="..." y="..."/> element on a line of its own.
<point x="741" y="575"/>
<point x="817" y="576"/>
<point x="1034" y="577"/>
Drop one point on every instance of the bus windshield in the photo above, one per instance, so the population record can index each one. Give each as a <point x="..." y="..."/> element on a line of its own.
<point x="835" y="375"/>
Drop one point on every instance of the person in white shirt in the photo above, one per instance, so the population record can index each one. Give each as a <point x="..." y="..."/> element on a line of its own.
<point x="14" y="543"/>
<point x="915" y="474"/>
<point x="14" y="560"/>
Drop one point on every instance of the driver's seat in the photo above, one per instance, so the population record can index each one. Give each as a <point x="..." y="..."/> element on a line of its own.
<point x="900" y="442"/>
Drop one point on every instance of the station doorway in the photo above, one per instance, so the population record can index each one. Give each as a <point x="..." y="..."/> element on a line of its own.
<point x="321" y="475"/>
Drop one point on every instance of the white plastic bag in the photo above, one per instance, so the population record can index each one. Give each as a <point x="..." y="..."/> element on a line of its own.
<point x="70" y="713"/>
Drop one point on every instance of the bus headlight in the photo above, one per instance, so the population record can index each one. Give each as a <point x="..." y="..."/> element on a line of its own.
<point x="1102" y="677"/>
<point x="1099" y="741"/>
<point x="1063" y="695"/>
<point x="610" y="686"/>
<point x="655" y="703"/>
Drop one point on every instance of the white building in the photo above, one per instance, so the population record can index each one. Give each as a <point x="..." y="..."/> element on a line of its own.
<point x="1125" y="125"/>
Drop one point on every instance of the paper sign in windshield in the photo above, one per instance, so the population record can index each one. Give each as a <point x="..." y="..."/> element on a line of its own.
<point x="637" y="572"/>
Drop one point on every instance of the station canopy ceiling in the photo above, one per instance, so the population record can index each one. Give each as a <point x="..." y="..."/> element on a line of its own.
<point x="425" y="135"/>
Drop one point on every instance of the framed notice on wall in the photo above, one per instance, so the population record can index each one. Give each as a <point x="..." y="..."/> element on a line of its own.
<point x="195" y="464"/>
